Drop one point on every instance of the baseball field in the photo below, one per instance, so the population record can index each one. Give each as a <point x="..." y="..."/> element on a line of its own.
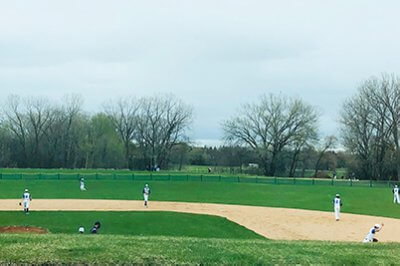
<point x="195" y="223"/>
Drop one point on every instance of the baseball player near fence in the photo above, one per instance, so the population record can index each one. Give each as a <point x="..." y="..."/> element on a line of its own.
<point x="146" y="193"/>
<point x="337" y="204"/>
<point x="82" y="184"/>
<point x="396" y="194"/>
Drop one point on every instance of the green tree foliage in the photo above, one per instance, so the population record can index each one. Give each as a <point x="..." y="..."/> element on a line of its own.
<point x="140" y="134"/>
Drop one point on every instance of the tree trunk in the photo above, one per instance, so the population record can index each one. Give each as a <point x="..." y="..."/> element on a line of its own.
<point x="294" y="163"/>
<point x="317" y="163"/>
<point x="303" y="171"/>
<point x="272" y="167"/>
<point x="127" y="155"/>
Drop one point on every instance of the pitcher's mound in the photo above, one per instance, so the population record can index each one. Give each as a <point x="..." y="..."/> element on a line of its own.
<point x="22" y="230"/>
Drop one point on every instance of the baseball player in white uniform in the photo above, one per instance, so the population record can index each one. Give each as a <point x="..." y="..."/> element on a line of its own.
<point x="81" y="229"/>
<point x="82" y="184"/>
<point x="26" y="198"/>
<point x="370" y="237"/>
<point x="396" y="194"/>
<point x="146" y="193"/>
<point x="337" y="204"/>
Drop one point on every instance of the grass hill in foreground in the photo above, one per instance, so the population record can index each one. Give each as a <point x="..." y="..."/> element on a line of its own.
<point x="91" y="249"/>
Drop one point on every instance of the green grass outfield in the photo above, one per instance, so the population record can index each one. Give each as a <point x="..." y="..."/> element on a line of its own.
<point x="359" y="200"/>
<point x="236" y="245"/>
<point x="132" y="223"/>
<point x="114" y="249"/>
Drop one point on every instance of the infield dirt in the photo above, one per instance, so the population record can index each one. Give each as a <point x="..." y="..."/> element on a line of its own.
<point x="22" y="230"/>
<point x="273" y="223"/>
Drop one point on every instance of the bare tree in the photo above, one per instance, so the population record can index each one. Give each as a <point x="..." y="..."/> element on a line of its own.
<point x="71" y="111"/>
<point x="163" y="122"/>
<point x="29" y="119"/>
<point x="358" y="131"/>
<point x="303" y="140"/>
<point x="124" y="115"/>
<point x="370" y="127"/>
<point x="390" y="98"/>
<point x="16" y="121"/>
<point x="328" y="143"/>
<point x="41" y="116"/>
<point x="271" y="125"/>
<point x="372" y="91"/>
<point x="62" y="137"/>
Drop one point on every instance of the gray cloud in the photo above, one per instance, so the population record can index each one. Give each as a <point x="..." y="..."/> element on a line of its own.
<point x="215" y="55"/>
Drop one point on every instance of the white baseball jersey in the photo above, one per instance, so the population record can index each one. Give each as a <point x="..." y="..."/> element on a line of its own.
<point x="337" y="202"/>
<point x="146" y="190"/>
<point x="26" y="196"/>
<point x="370" y="236"/>
<point x="396" y="190"/>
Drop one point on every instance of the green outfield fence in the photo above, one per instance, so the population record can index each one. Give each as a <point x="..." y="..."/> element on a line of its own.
<point x="199" y="178"/>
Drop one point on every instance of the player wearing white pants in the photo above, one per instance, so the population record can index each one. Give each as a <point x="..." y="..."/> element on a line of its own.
<point x="396" y="194"/>
<point x="146" y="193"/>
<point x="26" y="198"/>
<point x="337" y="204"/>
<point x="370" y="236"/>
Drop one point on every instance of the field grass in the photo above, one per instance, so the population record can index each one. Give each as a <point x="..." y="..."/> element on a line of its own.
<point x="115" y="249"/>
<point x="132" y="223"/>
<point x="175" y="238"/>
<point x="360" y="200"/>
<point x="99" y="174"/>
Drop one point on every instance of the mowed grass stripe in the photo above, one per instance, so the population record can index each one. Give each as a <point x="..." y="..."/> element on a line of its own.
<point x="114" y="249"/>
<point x="358" y="200"/>
<point x="131" y="223"/>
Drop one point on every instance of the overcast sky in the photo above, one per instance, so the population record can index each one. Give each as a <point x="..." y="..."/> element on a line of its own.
<point x="214" y="55"/>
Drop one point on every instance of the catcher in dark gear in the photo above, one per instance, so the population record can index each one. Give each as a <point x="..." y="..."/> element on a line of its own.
<point x="95" y="227"/>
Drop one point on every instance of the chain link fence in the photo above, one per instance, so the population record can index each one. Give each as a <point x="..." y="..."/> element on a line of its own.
<point x="198" y="178"/>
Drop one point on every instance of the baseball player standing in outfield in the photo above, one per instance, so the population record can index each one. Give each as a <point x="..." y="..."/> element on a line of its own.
<point x="146" y="193"/>
<point x="82" y="183"/>
<point x="337" y="203"/>
<point x="371" y="233"/>
<point x="26" y="198"/>
<point x="396" y="194"/>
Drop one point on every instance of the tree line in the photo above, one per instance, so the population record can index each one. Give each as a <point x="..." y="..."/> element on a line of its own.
<point x="279" y="134"/>
<point x="243" y="160"/>
<point x="128" y="133"/>
<point x="277" y="127"/>
<point x="150" y="133"/>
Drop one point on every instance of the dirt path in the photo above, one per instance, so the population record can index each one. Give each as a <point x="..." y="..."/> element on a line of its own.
<point x="273" y="223"/>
